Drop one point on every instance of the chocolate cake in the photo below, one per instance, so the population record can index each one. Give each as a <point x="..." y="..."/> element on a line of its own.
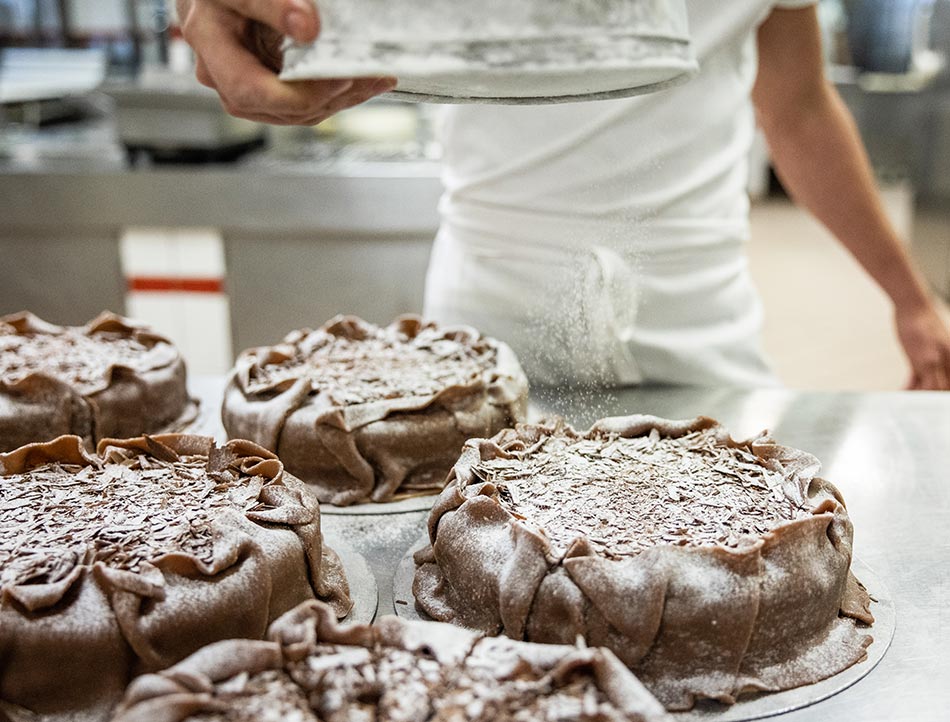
<point x="126" y="562"/>
<point x="312" y="670"/>
<point x="365" y="413"/>
<point x="711" y="567"/>
<point x="110" y="378"/>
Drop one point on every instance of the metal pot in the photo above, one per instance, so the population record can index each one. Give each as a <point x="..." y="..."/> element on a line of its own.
<point x="532" y="51"/>
<point x="886" y="36"/>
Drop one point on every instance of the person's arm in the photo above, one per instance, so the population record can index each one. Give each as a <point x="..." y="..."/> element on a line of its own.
<point x="820" y="159"/>
<point x="236" y="44"/>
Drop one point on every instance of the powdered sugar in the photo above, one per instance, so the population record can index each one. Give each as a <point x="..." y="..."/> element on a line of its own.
<point x="384" y="364"/>
<point x="122" y="514"/>
<point x="73" y="356"/>
<point x="627" y="495"/>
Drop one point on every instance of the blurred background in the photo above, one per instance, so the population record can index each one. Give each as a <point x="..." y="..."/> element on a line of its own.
<point x="124" y="185"/>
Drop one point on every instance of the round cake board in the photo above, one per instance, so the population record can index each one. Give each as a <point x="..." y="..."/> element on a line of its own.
<point x="400" y="506"/>
<point x="751" y="707"/>
<point x="363" y="590"/>
<point x="423" y="96"/>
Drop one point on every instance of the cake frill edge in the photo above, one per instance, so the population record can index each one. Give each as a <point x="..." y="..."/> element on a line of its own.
<point x="787" y="610"/>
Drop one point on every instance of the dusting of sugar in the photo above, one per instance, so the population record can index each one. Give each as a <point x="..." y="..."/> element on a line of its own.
<point x="495" y="681"/>
<point x="385" y="364"/>
<point x="73" y="356"/>
<point x="269" y="696"/>
<point x="581" y="334"/>
<point x="57" y="516"/>
<point x="628" y="495"/>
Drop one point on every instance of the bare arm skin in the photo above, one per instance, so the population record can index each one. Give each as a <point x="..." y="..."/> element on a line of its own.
<point x="819" y="156"/>
<point x="237" y="47"/>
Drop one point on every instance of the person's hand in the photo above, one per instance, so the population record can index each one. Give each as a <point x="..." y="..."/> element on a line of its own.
<point x="926" y="340"/>
<point x="237" y="48"/>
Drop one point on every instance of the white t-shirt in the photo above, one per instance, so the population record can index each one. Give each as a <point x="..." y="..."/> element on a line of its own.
<point x="636" y="182"/>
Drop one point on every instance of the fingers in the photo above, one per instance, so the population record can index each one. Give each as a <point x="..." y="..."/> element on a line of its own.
<point x="202" y="74"/>
<point x="933" y="375"/>
<point x="231" y="61"/>
<point x="250" y="90"/>
<point x="296" y="18"/>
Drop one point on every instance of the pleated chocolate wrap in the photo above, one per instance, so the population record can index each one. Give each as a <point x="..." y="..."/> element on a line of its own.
<point x="373" y="451"/>
<point x="197" y="685"/>
<point x="125" y="402"/>
<point x="69" y="648"/>
<point x="692" y="622"/>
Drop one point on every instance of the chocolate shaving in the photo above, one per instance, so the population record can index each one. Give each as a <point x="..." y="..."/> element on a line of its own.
<point x="221" y="458"/>
<point x="160" y="451"/>
<point x="73" y="355"/>
<point x="123" y="514"/>
<point x="383" y="364"/>
<point x="627" y="495"/>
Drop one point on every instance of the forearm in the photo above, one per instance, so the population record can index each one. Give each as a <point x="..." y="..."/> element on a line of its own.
<point x="819" y="156"/>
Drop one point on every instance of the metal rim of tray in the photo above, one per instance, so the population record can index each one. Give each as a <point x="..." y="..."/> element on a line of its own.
<point x="400" y="506"/>
<point x="540" y="100"/>
<point x="362" y="582"/>
<point x="747" y="708"/>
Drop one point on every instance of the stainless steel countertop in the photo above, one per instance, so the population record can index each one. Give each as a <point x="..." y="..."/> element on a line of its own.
<point x="359" y="198"/>
<point x="76" y="176"/>
<point x="888" y="453"/>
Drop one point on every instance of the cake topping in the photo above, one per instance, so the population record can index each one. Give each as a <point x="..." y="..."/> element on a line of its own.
<point x="337" y="683"/>
<point x="269" y="696"/>
<point x="123" y="514"/>
<point x="358" y="683"/>
<point x="73" y="356"/>
<point x="380" y="364"/>
<point x="627" y="495"/>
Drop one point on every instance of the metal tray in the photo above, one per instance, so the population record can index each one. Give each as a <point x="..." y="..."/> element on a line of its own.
<point x="619" y="67"/>
<point x="496" y="51"/>
<point x="363" y="589"/>
<point x="400" y="506"/>
<point x="751" y="707"/>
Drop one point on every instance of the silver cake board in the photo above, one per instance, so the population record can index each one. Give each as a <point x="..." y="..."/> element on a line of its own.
<point x="749" y="707"/>
<point x="400" y="506"/>
<point x="363" y="589"/>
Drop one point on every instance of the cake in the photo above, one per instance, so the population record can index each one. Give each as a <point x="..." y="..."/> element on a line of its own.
<point x="312" y="670"/>
<point x="711" y="567"/>
<point x="110" y="378"/>
<point x="127" y="561"/>
<point x="367" y="413"/>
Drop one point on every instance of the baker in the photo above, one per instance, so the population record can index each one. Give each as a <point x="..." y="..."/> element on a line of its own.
<point x="605" y="240"/>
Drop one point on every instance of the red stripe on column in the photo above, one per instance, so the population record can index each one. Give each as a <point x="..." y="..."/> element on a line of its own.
<point x="167" y="284"/>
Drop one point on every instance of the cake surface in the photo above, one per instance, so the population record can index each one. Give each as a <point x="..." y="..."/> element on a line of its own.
<point x="711" y="567"/>
<point x="312" y="670"/>
<point x="127" y="561"/>
<point x="368" y="413"/>
<point x="110" y="378"/>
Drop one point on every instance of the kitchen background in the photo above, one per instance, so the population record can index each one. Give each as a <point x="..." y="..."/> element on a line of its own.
<point x="123" y="185"/>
